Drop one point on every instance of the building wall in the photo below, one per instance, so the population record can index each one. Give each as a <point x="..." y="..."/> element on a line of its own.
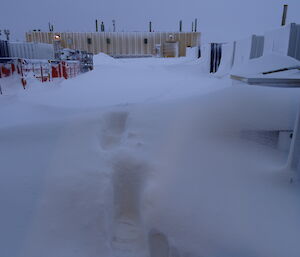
<point x="117" y="43"/>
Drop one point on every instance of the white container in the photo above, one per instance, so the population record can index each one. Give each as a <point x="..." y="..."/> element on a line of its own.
<point x="31" y="50"/>
<point x="284" y="40"/>
<point x="248" y="48"/>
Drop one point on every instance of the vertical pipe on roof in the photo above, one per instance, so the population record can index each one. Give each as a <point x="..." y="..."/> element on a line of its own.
<point x="284" y="14"/>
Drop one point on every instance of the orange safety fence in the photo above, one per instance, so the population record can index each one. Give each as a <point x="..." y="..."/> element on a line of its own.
<point x="42" y="70"/>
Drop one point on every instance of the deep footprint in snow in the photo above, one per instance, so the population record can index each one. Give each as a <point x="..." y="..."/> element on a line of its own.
<point x="128" y="179"/>
<point x="158" y="244"/>
<point x="129" y="239"/>
<point x="114" y="125"/>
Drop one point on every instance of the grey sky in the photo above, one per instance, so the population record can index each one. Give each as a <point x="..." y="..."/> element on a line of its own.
<point x="218" y="20"/>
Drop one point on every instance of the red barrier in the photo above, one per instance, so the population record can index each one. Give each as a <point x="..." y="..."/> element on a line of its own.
<point x="54" y="70"/>
<point x="65" y="70"/>
<point x="42" y="70"/>
<point x="6" y="70"/>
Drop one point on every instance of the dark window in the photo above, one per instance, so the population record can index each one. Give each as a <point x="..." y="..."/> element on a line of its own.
<point x="89" y="41"/>
<point x="145" y="41"/>
<point x="108" y="41"/>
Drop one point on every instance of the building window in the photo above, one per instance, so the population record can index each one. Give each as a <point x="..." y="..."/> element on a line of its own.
<point x="108" y="41"/>
<point x="89" y="41"/>
<point x="145" y="41"/>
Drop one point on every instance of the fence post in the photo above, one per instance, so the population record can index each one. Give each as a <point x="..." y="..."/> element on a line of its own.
<point x="42" y="75"/>
<point x="23" y="81"/>
<point x="50" y="71"/>
<point x="61" y="69"/>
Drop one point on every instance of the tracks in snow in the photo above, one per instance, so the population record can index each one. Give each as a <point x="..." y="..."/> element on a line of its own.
<point x="113" y="128"/>
<point x="129" y="237"/>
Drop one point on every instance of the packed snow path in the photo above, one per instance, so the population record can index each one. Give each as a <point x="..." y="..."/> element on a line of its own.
<point x="144" y="158"/>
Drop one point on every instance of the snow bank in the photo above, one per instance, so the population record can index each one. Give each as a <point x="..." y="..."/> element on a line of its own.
<point x="226" y="60"/>
<point x="242" y="51"/>
<point x="192" y="53"/>
<point x="104" y="59"/>
<point x="265" y="63"/>
<point x="92" y="167"/>
<point x="12" y="85"/>
<point x="124" y="84"/>
<point x="204" y="60"/>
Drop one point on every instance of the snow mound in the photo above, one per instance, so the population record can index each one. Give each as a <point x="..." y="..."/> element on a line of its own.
<point x="226" y="60"/>
<point x="192" y="53"/>
<point x="265" y="63"/>
<point x="104" y="59"/>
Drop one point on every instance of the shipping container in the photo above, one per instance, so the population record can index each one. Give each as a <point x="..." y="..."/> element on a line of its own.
<point x="31" y="50"/>
<point x="285" y="41"/>
<point x="248" y="48"/>
<point x="221" y="57"/>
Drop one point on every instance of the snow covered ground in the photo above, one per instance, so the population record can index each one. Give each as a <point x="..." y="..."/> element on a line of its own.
<point x="93" y="165"/>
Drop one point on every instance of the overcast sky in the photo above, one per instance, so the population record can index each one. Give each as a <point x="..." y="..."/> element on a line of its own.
<point x="218" y="20"/>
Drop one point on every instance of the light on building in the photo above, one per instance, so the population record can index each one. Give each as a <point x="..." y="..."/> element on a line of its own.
<point x="57" y="37"/>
